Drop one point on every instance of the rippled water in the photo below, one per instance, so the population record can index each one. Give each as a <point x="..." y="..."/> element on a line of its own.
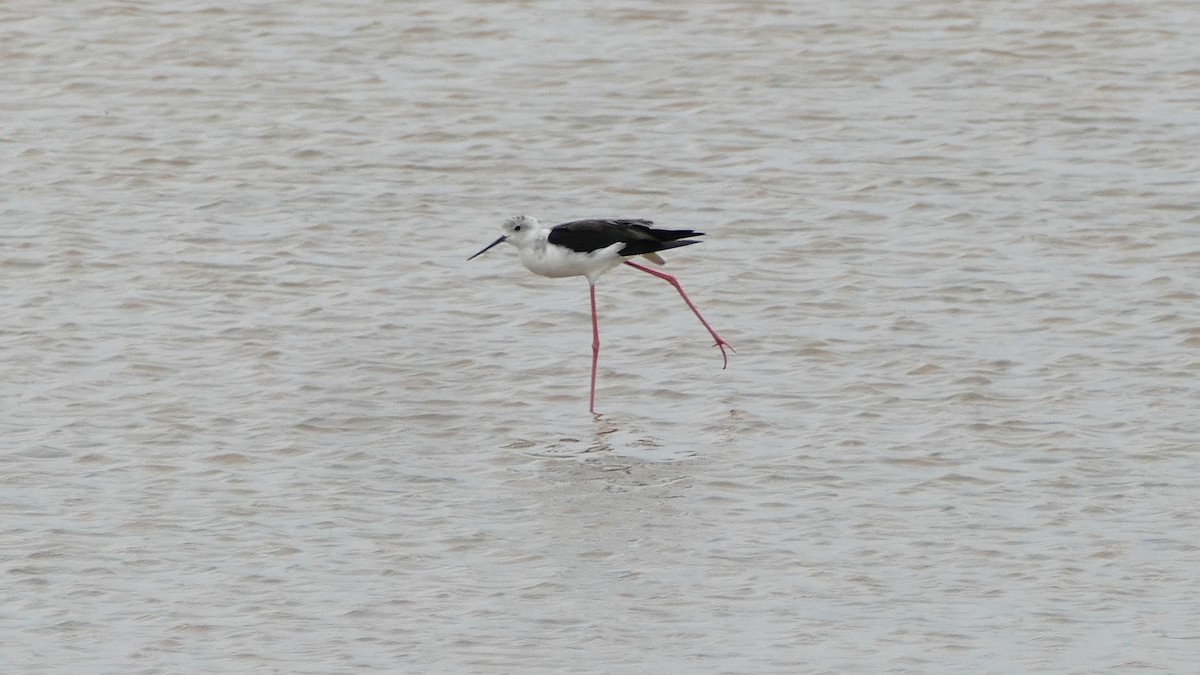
<point x="260" y="414"/>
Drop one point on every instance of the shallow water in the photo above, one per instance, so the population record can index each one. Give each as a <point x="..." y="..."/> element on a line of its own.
<point x="260" y="414"/>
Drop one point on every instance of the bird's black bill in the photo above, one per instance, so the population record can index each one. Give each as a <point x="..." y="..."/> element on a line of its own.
<point x="488" y="246"/>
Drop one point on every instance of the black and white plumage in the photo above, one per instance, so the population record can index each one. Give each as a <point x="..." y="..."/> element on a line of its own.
<point x="589" y="248"/>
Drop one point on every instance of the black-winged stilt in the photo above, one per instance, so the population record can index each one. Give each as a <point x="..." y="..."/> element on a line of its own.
<point x="590" y="248"/>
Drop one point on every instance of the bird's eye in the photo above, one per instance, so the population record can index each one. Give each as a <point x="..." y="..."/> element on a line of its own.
<point x="516" y="228"/>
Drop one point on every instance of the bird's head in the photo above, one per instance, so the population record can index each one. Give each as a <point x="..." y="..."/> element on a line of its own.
<point x="515" y="230"/>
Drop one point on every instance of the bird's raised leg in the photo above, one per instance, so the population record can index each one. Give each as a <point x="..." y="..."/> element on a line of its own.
<point x="721" y="343"/>
<point x="595" y="349"/>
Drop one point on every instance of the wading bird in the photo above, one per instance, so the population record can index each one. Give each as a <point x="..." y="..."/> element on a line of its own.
<point x="589" y="248"/>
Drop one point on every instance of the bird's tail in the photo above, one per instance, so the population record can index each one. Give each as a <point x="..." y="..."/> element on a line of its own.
<point x="672" y="235"/>
<point x="648" y="247"/>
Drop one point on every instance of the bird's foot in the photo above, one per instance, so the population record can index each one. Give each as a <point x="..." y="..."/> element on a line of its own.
<point x="722" y="344"/>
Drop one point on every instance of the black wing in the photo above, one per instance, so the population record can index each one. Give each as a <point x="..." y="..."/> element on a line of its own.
<point x="585" y="236"/>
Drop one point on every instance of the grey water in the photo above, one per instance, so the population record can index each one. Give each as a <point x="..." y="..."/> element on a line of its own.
<point x="258" y="413"/>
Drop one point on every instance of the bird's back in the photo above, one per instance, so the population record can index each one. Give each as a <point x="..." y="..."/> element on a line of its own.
<point x="584" y="236"/>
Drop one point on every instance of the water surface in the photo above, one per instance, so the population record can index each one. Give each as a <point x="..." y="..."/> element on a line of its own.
<point x="260" y="414"/>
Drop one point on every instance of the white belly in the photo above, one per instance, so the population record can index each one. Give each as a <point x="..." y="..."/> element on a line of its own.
<point x="553" y="261"/>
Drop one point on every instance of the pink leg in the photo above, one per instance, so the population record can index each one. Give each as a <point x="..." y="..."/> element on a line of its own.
<point x="721" y="344"/>
<point x="595" y="350"/>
